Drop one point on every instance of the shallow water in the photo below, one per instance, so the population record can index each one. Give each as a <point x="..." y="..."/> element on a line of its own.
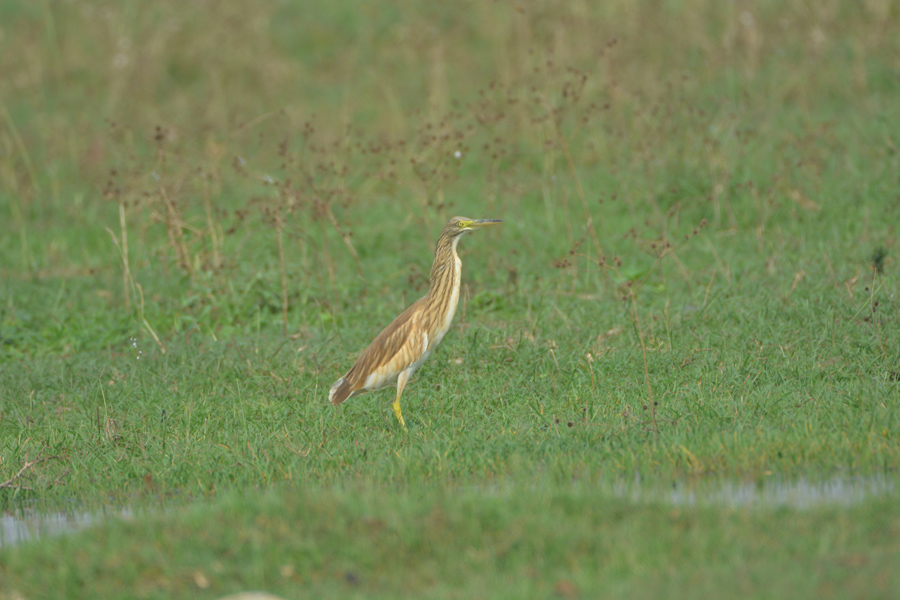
<point x="29" y="523"/>
<point x="799" y="493"/>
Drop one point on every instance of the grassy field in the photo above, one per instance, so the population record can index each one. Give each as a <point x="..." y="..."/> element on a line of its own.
<point x="206" y="214"/>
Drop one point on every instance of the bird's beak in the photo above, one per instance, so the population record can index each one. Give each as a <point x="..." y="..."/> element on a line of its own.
<point x="484" y="223"/>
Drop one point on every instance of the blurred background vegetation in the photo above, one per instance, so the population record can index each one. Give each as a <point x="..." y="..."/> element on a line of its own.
<point x="202" y="138"/>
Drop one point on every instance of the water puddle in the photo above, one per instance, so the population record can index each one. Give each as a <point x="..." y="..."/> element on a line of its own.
<point x="27" y="524"/>
<point x="774" y="492"/>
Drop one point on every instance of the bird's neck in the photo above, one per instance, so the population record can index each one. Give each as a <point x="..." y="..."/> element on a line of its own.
<point x="445" y="271"/>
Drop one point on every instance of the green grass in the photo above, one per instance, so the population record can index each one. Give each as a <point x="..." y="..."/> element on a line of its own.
<point x="695" y="282"/>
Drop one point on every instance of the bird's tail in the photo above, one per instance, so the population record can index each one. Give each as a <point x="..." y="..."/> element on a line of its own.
<point x="340" y="391"/>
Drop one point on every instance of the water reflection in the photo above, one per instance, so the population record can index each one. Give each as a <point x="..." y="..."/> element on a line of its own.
<point x="29" y="523"/>
<point x="799" y="493"/>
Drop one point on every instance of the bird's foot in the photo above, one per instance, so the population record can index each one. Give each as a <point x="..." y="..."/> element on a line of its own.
<point x="399" y="414"/>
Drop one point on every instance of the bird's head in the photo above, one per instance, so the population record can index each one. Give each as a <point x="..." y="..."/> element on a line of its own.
<point x="458" y="226"/>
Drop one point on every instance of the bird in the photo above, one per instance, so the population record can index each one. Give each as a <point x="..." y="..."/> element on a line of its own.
<point x="401" y="348"/>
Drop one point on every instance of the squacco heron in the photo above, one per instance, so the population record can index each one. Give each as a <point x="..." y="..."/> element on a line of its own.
<point x="405" y="344"/>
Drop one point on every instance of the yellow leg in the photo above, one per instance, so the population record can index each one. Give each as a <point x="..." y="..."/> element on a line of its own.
<point x="401" y="383"/>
